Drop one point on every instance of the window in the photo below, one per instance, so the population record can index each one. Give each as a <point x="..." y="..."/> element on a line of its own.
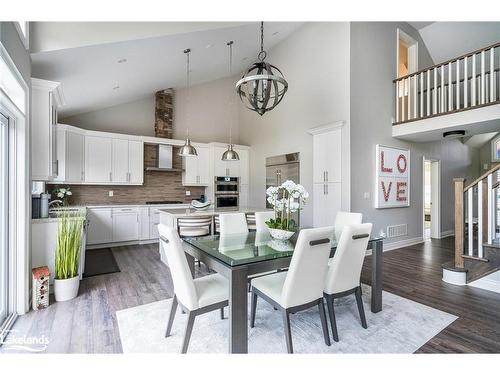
<point x="495" y="150"/>
<point x="4" y="220"/>
<point x="11" y="86"/>
<point x="23" y="30"/>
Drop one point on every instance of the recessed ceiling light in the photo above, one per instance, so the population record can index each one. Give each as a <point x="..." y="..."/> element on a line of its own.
<point x="121" y="61"/>
<point x="116" y="87"/>
<point x="210" y="45"/>
<point x="454" y="134"/>
<point x="276" y="33"/>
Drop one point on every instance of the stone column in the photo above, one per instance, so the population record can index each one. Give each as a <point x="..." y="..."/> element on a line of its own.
<point x="164" y="113"/>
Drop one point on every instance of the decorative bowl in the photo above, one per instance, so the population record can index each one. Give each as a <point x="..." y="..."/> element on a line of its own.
<point x="200" y="205"/>
<point x="280" y="245"/>
<point x="280" y="234"/>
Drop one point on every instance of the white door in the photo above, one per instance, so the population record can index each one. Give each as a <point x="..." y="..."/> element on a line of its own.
<point x="125" y="225"/>
<point x="190" y="175"/>
<point x="100" y="228"/>
<point x="203" y="165"/>
<point x="98" y="156"/>
<point x="120" y="160"/>
<point x="135" y="162"/>
<point x="74" y="156"/>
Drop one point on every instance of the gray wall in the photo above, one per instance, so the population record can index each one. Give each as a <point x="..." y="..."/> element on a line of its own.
<point x="373" y="67"/>
<point x="12" y="42"/>
<point x="315" y="61"/>
<point x="210" y="109"/>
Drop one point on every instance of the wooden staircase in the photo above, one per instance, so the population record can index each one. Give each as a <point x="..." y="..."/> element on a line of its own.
<point x="477" y="226"/>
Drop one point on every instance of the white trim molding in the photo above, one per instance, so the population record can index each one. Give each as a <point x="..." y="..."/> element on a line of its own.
<point x="399" y="244"/>
<point x="447" y="233"/>
<point x="327" y="127"/>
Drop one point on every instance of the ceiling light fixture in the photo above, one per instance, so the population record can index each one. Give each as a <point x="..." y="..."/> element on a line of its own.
<point x="121" y="61"/>
<point x="116" y="87"/>
<point x="230" y="154"/>
<point x="187" y="149"/>
<point x="262" y="86"/>
<point x="454" y="134"/>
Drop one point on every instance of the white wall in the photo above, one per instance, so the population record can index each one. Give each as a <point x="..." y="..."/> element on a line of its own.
<point x="315" y="62"/>
<point x="212" y="108"/>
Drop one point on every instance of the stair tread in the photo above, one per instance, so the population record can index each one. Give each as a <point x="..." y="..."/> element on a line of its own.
<point x="494" y="244"/>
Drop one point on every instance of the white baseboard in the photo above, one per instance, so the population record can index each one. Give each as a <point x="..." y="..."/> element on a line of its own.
<point x="399" y="244"/>
<point x="447" y="233"/>
<point x="115" y="244"/>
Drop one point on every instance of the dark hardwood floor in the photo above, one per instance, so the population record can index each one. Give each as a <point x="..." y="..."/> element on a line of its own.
<point x="88" y="323"/>
<point x="415" y="273"/>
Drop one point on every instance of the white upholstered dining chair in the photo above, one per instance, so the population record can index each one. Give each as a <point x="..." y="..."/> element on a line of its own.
<point x="346" y="218"/>
<point x="196" y="296"/>
<point x="301" y="287"/>
<point x="344" y="270"/>
<point x="233" y="223"/>
<point x="260" y="220"/>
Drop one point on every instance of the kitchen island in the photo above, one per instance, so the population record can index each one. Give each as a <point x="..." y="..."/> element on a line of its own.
<point x="169" y="217"/>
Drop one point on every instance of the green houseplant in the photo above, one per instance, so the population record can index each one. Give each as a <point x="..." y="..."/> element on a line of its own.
<point x="67" y="257"/>
<point x="285" y="199"/>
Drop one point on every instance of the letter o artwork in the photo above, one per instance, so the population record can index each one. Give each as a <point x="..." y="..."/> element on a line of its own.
<point x="401" y="158"/>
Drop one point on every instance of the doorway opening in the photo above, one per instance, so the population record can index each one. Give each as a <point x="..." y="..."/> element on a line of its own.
<point x="407" y="63"/>
<point x="431" y="199"/>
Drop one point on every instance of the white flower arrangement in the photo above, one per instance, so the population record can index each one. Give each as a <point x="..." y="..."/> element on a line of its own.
<point x="286" y="199"/>
<point x="63" y="193"/>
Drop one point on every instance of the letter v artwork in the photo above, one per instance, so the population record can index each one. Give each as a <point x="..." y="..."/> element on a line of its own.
<point x="392" y="177"/>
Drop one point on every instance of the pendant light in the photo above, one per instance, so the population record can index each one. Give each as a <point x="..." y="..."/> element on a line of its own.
<point x="263" y="86"/>
<point x="187" y="149"/>
<point x="230" y="154"/>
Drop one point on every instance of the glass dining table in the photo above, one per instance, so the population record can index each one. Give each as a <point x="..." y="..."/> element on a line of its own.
<point x="238" y="256"/>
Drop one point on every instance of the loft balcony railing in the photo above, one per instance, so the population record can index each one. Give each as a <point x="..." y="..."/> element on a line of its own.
<point x="463" y="83"/>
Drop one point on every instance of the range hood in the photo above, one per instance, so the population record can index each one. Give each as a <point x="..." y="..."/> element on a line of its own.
<point x="164" y="158"/>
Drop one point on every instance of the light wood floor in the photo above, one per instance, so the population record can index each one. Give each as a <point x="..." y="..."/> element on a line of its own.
<point x="88" y="323"/>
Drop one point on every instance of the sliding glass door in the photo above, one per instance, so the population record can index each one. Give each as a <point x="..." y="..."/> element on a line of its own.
<point x="4" y="211"/>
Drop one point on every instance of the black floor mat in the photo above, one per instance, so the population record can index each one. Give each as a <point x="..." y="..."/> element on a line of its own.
<point x="100" y="262"/>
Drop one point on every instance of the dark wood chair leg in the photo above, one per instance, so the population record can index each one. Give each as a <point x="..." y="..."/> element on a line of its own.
<point x="333" y="323"/>
<point x="324" y="324"/>
<point x="288" y="331"/>
<point x="222" y="313"/>
<point x="361" y="309"/>
<point x="253" y="310"/>
<point x="171" y="317"/>
<point x="187" y="334"/>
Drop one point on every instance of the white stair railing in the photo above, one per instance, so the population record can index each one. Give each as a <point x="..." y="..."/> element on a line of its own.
<point x="466" y="82"/>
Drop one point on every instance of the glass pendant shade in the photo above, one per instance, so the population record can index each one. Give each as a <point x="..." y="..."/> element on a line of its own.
<point x="230" y="154"/>
<point x="188" y="149"/>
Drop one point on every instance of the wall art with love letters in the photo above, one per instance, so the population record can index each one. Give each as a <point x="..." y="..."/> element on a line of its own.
<point x="392" y="177"/>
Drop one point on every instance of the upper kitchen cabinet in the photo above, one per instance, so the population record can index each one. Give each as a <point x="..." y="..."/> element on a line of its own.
<point x="46" y="97"/>
<point x="327" y="155"/>
<point x="244" y="167"/>
<point x="98" y="159"/>
<point x="113" y="161"/>
<point x="197" y="168"/>
<point x="70" y="143"/>
<point x="225" y="168"/>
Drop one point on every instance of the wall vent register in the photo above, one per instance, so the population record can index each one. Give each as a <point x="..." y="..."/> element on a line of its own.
<point x="397" y="230"/>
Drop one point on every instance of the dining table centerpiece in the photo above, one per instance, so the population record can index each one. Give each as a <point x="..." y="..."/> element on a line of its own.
<point x="286" y="199"/>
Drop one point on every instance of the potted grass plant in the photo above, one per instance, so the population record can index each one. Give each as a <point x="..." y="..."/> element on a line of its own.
<point x="67" y="259"/>
<point x="285" y="199"/>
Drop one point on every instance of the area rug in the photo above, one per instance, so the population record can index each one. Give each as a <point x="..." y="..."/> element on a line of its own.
<point x="100" y="262"/>
<point x="401" y="327"/>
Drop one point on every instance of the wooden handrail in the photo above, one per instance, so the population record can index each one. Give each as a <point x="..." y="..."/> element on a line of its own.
<point x="482" y="177"/>
<point x="448" y="61"/>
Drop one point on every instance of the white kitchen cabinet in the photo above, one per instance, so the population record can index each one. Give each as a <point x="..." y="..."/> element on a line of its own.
<point x="119" y="161"/>
<point x="154" y="215"/>
<point x="327" y="201"/>
<point x="100" y="226"/>
<point x="225" y="168"/>
<point x="327" y="156"/>
<point x="244" y="168"/>
<point x="70" y="155"/>
<point x="125" y="224"/>
<point x="46" y="96"/>
<point x="196" y="168"/>
<point x="98" y="159"/>
<point x="144" y="223"/>
<point x="135" y="162"/>
<point x="244" y="195"/>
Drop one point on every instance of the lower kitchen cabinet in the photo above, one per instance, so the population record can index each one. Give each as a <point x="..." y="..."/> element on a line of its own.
<point x="327" y="201"/>
<point x="125" y="224"/>
<point x="100" y="229"/>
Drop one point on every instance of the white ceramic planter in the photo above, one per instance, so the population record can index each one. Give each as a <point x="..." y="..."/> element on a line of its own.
<point x="67" y="289"/>
<point x="280" y="234"/>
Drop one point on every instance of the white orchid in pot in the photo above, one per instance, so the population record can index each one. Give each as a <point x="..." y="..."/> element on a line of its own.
<point x="286" y="199"/>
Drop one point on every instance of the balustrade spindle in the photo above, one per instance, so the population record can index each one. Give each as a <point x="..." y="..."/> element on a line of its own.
<point x="421" y="75"/>
<point x="428" y="93"/>
<point x="470" y="221"/>
<point x="457" y="88"/>
<point x="491" y="208"/>
<point x="483" y="79"/>
<point x="441" y="102"/>
<point x="408" y="80"/>
<point x="492" y="75"/>
<point x="473" y="82"/>
<point x="450" y="89"/>
<point x="466" y="83"/>
<point x="434" y="99"/>
<point x="415" y="112"/>
<point x="397" y="101"/>
<point x="480" y="219"/>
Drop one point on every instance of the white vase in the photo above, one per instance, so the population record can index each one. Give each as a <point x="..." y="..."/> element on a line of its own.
<point x="66" y="289"/>
<point x="280" y="234"/>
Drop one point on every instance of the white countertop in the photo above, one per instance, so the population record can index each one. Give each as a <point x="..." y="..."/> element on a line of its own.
<point x="179" y="212"/>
